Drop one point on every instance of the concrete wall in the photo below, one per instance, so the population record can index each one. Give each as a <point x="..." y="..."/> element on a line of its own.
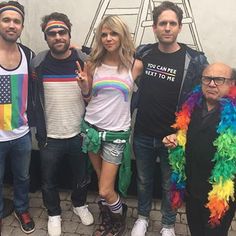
<point x="214" y="20"/>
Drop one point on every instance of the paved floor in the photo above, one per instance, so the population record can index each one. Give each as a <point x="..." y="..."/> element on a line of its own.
<point x="71" y="225"/>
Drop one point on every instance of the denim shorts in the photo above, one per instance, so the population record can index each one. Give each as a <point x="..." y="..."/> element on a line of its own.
<point x="112" y="152"/>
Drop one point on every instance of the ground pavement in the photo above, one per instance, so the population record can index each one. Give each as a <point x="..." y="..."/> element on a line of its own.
<point x="71" y="225"/>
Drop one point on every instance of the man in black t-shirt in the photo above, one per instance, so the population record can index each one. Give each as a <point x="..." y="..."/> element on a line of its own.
<point x="168" y="71"/>
<point x="59" y="108"/>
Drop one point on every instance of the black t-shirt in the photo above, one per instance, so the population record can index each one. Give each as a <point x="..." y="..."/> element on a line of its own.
<point x="159" y="90"/>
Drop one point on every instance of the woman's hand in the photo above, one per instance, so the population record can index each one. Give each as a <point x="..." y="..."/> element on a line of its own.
<point x="82" y="79"/>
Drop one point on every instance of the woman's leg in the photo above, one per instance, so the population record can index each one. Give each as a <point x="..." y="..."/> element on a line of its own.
<point x="107" y="182"/>
<point x="96" y="161"/>
<point x="107" y="191"/>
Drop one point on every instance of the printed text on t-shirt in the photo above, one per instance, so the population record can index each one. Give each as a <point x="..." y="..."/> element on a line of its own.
<point x="161" y="72"/>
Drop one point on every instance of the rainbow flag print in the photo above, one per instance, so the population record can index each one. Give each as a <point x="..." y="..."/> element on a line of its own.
<point x="13" y="101"/>
<point x="114" y="83"/>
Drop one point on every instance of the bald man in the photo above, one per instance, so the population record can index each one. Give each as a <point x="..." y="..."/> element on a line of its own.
<point x="205" y="148"/>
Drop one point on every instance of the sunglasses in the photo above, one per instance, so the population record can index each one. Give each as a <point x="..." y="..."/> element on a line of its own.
<point x="54" y="33"/>
<point x="206" y="80"/>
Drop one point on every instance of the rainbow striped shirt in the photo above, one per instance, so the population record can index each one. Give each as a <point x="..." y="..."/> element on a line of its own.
<point x="13" y="98"/>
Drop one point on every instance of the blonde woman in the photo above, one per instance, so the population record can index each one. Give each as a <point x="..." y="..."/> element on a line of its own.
<point x="106" y="84"/>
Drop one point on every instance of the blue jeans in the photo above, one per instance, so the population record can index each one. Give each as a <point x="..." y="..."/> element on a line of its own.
<point x="19" y="152"/>
<point x="51" y="158"/>
<point x="146" y="150"/>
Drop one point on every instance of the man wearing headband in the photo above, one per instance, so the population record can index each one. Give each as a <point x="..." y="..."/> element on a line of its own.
<point x="59" y="111"/>
<point x="15" y="110"/>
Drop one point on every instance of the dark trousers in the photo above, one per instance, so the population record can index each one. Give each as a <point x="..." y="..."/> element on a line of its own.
<point x="198" y="216"/>
<point x="51" y="158"/>
<point x="146" y="150"/>
<point x="18" y="150"/>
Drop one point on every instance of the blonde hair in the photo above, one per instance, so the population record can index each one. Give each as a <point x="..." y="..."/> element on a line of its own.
<point x="126" y="50"/>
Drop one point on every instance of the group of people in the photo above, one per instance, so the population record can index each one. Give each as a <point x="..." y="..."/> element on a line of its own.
<point x="80" y="105"/>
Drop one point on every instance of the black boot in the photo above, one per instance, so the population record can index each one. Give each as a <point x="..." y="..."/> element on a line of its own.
<point x="118" y="222"/>
<point x="106" y="223"/>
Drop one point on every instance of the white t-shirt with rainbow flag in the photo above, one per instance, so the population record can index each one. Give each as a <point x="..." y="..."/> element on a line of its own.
<point x="109" y="107"/>
<point x="13" y="101"/>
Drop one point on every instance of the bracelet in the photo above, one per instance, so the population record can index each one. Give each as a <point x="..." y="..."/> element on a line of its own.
<point x="86" y="95"/>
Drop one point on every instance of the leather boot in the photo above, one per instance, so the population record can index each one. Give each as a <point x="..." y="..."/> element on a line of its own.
<point x="118" y="222"/>
<point x="106" y="224"/>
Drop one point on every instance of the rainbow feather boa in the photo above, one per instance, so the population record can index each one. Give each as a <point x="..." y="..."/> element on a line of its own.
<point x="224" y="171"/>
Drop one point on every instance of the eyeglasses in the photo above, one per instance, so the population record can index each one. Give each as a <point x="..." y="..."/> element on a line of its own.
<point x="206" y="80"/>
<point x="54" y="33"/>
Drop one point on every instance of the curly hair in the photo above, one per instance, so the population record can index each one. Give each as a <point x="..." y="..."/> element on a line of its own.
<point x="126" y="50"/>
<point x="166" y="5"/>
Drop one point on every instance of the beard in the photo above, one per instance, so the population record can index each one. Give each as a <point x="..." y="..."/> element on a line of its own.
<point x="9" y="38"/>
<point x="61" y="50"/>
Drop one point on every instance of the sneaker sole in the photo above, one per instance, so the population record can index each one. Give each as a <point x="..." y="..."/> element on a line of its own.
<point x="26" y="232"/>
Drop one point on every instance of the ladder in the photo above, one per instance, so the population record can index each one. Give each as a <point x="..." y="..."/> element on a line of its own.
<point x="143" y="21"/>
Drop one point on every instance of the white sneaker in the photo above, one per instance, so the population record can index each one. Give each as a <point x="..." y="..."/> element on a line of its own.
<point x="140" y="227"/>
<point x="54" y="225"/>
<point x="85" y="215"/>
<point x="168" y="232"/>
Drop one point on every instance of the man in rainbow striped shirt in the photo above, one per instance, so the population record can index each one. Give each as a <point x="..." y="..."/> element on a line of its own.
<point x="15" y="139"/>
<point x="59" y="109"/>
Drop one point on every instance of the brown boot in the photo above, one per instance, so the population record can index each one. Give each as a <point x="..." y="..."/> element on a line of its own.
<point x="106" y="225"/>
<point x="118" y="222"/>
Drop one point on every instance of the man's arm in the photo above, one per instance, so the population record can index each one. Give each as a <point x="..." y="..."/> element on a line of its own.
<point x="137" y="69"/>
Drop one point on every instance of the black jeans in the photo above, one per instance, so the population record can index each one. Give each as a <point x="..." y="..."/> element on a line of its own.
<point x="198" y="216"/>
<point x="51" y="158"/>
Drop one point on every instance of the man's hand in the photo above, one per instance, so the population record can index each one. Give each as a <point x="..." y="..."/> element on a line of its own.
<point x="170" y="141"/>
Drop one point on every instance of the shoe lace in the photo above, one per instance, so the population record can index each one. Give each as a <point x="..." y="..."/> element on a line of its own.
<point x="84" y="211"/>
<point x="25" y="217"/>
<point x="167" y="231"/>
<point x="106" y="221"/>
<point x="142" y="222"/>
<point x="116" y="228"/>
<point x="55" y="221"/>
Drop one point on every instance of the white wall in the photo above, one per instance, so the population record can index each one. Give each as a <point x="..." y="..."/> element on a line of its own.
<point x="215" y="23"/>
